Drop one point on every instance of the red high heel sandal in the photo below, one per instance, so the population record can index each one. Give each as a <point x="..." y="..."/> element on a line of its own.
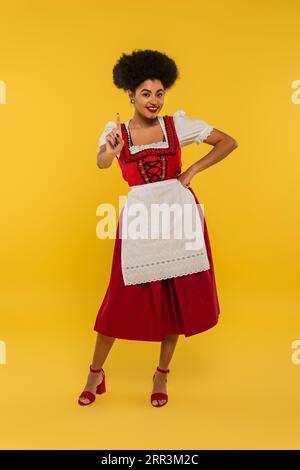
<point x="101" y="388"/>
<point x="158" y="395"/>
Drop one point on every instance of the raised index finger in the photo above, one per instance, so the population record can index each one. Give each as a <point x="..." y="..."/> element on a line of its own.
<point x="118" y="120"/>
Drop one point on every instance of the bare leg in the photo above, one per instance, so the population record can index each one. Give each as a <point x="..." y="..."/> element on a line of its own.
<point x="102" y="348"/>
<point x="166" y="352"/>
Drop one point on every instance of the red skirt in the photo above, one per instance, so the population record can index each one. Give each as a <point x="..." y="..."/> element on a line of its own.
<point x="150" y="311"/>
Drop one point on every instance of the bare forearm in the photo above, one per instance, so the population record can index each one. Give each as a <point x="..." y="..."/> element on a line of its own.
<point x="105" y="159"/>
<point x="218" y="153"/>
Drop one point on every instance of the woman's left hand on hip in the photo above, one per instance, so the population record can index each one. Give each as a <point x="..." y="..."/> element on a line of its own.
<point x="185" y="178"/>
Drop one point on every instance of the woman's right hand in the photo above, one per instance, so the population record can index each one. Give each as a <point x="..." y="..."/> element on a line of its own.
<point x="114" y="140"/>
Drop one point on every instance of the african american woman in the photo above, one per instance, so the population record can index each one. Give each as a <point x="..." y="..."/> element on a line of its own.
<point x="158" y="288"/>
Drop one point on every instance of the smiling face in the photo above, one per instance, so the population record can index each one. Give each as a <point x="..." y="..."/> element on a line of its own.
<point x="148" y="98"/>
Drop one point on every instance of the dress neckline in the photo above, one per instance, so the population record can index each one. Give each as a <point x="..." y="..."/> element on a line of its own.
<point x="162" y="148"/>
<point x="161" y="144"/>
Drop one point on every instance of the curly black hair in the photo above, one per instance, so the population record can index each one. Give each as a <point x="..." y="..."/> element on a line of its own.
<point x="131" y="70"/>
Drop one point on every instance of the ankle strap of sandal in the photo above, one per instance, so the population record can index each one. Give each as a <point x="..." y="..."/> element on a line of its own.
<point x="165" y="371"/>
<point x="95" y="370"/>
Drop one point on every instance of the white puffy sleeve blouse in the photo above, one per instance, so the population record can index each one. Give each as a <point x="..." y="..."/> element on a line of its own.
<point x="189" y="130"/>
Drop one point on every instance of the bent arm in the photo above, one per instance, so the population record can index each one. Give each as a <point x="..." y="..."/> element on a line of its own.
<point x="223" y="145"/>
<point x="104" y="158"/>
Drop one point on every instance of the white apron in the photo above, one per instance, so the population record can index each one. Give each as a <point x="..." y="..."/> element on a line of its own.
<point x="162" y="233"/>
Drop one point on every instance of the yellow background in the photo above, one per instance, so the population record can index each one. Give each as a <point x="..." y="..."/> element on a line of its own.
<point x="231" y="387"/>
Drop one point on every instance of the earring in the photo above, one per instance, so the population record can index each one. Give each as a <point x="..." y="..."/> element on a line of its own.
<point x="132" y="100"/>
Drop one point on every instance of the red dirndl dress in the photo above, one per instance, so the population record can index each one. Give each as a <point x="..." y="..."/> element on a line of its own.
<point x="150" y="311"/>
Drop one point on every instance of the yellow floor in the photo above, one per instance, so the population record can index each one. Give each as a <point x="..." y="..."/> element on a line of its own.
<point x="232" y="387"/>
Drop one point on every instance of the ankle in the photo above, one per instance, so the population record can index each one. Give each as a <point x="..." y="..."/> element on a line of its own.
<point x="95" y="369"/>
<point x="163" y="369"/>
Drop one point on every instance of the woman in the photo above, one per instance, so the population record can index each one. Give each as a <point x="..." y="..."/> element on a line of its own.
<point x="169" y="296"/>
